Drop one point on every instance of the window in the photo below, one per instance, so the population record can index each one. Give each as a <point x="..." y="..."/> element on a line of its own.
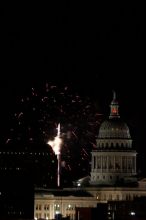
<point x="117" y="197"/>
<point x="38" y="206"/>
<point x="46" y="207"/>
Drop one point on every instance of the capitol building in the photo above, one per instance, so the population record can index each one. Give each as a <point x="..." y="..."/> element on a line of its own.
<point x="113" y="175"/>
<point x="114" y="160"/>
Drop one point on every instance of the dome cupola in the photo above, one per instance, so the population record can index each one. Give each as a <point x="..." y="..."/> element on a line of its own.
<point x="113" y="132"/>
<point x="114" y="107"/>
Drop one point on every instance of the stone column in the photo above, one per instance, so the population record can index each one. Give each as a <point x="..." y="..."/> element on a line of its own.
<point x="121" y="168"/>
<point x="126" y="164"/>
<point x="101" y="163"/>
<point x="114" y="163"/>
<point x="135" y="164"/>
<point x="52" y="213"/>
<point x="107" y="168"/>
<point x="96" y="162"/>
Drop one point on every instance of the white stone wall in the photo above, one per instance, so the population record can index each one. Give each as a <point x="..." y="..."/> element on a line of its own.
<point x="108" y="167"/>
<point x="45" y="205"/>
<point x="64" y="205"/>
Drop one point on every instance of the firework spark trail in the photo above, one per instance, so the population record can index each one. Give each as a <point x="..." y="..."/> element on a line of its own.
<point x="56" y="146"/>
<point x="39" y="113"/>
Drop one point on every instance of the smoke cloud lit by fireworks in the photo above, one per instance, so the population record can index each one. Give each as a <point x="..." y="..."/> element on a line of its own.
<point x="38" y="114"/>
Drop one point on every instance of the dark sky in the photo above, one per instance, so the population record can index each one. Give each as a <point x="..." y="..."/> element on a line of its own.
<point x="92" y="48"/>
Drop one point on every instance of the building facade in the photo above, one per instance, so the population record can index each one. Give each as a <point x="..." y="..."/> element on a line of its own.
<point x="112" y="178"/>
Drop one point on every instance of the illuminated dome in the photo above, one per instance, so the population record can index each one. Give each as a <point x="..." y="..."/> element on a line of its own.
<point x="114" y="128"/>
<point x="114" y="132"/>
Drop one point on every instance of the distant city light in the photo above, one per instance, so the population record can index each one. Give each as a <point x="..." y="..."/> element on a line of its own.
<point x="132" y="213"/>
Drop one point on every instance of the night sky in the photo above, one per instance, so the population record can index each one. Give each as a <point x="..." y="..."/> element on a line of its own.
<point x="89" y="48"/>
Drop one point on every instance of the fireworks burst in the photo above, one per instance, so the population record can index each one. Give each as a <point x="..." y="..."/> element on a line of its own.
<point x="39" y="113"/>
<point x="56" y="146"/>
<point x="56" y="142"/>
